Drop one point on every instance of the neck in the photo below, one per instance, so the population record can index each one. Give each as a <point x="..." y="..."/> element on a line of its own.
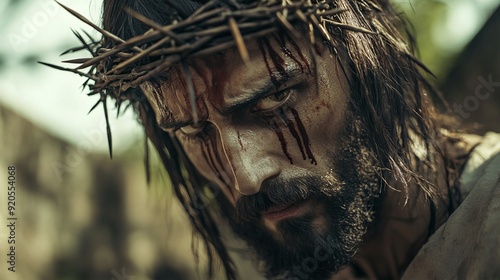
<point x="404" y="223"/>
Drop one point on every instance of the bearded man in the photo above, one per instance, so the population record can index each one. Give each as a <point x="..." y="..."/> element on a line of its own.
<point x="311" y="125"/>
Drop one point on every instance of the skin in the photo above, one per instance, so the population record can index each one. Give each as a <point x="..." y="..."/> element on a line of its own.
<point x="246" y="145"/>
<point x="241" y="131"/>
<point x="236" y="145"/>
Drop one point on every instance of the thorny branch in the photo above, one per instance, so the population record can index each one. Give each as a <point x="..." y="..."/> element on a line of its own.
<point x="117" y="65"/>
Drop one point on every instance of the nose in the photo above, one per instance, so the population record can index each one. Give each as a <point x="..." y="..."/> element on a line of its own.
<point x="248" y="157"/>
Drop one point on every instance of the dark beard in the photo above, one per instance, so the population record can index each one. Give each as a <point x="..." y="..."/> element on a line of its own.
<point x="348" y="198"/>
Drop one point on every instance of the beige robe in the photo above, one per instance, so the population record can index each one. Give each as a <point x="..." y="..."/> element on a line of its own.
<point x="467" y="246"/>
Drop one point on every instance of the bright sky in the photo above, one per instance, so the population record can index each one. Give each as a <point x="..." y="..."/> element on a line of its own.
<point x="464" y="19"/>
<point x="53" y="100"/>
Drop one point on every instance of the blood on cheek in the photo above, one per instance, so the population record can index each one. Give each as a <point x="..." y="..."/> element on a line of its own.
<point x="305" y="137"/>
<point x="285" y="123"/>
<point x="207" y="156"/>
<point x="212" y="157"/>
<point x="296" y="129"/>
<point x="295" y="126"/>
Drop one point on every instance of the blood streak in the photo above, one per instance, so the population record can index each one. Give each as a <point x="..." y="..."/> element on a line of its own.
<point x="206" y="148"/>
<point x="278" y="61"/>
<point x="209" y="159"/>
<point x="301" y="55"/>
<point x="317" y="48"/>
<point x="203" y="75"/>
<point x="184" y="83"/>
<point x="219" y="78"/>
<point x="212" y="157"/>
<point x="279" y="65"/>
<point x="216" y="154"/>
<point x="303" y="132"/>
<point x="281" y="138"/>
<point x="293" y="131"/>
<point x="272" y="75"/>
<point x="286" y="51"/>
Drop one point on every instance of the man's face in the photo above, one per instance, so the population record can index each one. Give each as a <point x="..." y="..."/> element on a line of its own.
<point x="278" y="137"/>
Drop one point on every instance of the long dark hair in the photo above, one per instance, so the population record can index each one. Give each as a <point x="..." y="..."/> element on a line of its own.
<point x="388" y="89"/>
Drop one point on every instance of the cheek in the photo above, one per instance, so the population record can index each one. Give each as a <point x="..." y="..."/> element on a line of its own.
<point x="325" y="120"/>
<point x="297" y="129"/>
<point x="204" y="155"/>
<point x="324" y="112"/>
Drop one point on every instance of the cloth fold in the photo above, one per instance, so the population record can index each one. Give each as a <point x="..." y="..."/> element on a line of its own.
<point x="467" y="246"/>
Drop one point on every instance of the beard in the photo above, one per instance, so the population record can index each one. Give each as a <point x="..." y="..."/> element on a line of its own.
<point x="344" y="201"/>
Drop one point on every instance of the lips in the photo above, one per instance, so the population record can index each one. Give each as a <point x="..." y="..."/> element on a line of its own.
<point x="282" y="212"/>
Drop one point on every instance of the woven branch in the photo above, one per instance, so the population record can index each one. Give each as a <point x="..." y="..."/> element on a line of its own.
<point x="121" y="65"/>
<point x="213" y="28"/>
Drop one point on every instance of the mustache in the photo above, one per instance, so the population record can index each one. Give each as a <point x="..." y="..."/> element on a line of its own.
<point x="277" y="192"/>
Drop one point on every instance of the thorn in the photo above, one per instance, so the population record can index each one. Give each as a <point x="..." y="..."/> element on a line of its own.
<point x="100" y="30"/>
<point x="284" y="21"/>
<point x="118" y="107"/>
<point x="165" y="30"/>
<point x="140" y="55"/>
<point x="72" y="50"/>
<point x="108" y="128"/>
<point x="68" y="70"/>
<point x="95" y="106"/>
<point x="77" y="60"/>
<point x="240" y="43"/>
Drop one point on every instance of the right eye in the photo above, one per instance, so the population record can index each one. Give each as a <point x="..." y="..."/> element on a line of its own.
<point x="272" y="102"/>
<point x="192" y="130"/>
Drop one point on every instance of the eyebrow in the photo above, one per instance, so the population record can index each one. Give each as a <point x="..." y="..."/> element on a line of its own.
<point x="255" y="96"/>
<point x="291" y="73"/>
<point x="172" y="124"/>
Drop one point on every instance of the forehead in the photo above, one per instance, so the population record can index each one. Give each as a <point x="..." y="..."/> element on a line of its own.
<point x="223" y="77"/>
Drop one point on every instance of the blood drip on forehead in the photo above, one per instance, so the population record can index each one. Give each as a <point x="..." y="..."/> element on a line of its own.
<point x="213" y="72"/>
<point x="279" y="69"/>
<point x="275" y="52"/>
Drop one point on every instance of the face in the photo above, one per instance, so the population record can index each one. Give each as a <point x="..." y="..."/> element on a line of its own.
<point x="278" y="137"/>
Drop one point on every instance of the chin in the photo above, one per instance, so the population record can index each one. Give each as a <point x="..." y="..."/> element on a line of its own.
<point x="296" y="232"/>
<point x="323" y="237"/>
<point x="315" y="244"/>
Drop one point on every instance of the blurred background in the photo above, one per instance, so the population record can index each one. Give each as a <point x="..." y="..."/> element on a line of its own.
<point x="82" y="215"/>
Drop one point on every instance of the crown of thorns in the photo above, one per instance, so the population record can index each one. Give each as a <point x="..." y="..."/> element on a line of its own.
<point x="116" y="68"/>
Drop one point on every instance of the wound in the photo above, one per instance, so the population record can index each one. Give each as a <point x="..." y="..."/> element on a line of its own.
<point x="305" y="138"/>
<point x="284" y="145"/>
<point x="212" y="157"/>
<point x="293" y="131"/>
<point x="277" y="60"/>
<point x="281" y="39"/>
<point x="299" y="52"/>
<point x="209" y="155"/>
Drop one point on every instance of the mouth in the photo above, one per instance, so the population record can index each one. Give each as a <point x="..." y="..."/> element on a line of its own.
<point x="276" y="214"/>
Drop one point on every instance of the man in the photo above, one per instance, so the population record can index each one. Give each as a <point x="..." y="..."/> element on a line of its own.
<point x="309" y="127"/>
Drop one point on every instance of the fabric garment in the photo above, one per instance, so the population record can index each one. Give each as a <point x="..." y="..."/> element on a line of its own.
<point x="467" y="246"/>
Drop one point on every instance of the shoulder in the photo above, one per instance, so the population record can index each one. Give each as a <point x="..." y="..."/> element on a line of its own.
<point x="483" y="162"/>
<point x="468" y="244"/>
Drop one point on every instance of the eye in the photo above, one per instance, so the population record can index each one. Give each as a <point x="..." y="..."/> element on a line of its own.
<point x="272" y="101"/>
<point x="191" y="130"/>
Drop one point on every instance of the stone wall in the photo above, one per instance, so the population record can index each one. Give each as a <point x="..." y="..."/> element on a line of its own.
<point x="85" y="216"/>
